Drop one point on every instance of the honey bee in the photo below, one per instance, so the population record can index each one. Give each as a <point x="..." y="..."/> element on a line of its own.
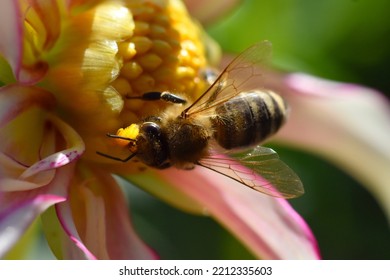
<point x="232" y="114"/>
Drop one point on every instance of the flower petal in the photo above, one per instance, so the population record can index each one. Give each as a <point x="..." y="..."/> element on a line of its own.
<point x="343" y="123"/>
<point x="100" y="215"/>
<point x="62" y="235"/>
<point x="210" y="11"/>
<point x="14" y="99"/>
<point x="161" y="188"/>
<point x="23" y="125"/>
<point x="30" y="126"/>
<point x="268" y="226"/>
<point x="28" y="28"/>
<point x="19" y="209"/>
<point x="63" y="157"/>
<point x="11" y="33"/>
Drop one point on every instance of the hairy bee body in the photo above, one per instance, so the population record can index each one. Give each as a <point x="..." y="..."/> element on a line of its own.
<point x="248" y="119"/>
<point x="230" y="114"/>
<point x="173" y="141"/>
<point x="243" y="121"/>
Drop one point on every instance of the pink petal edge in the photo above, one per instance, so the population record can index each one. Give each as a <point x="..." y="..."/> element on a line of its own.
<point x="107" y="232"/>
<point x="60" y="158"/>
<point x="15" y="221"/>
<point x="11" y="33"/>
<point x="19" y="209"/>
<point x="79" y="250"/>
<point x="14" y="99"/>
<point x="341" y="122"/>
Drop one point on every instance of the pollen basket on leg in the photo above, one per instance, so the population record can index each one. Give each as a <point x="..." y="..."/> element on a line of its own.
<point x="131" y="132"/>
<point x="165" y="53"/>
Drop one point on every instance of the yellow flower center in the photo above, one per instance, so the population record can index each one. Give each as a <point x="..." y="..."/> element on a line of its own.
<point x="115" y="50"/>
<point x="164" y="53"/>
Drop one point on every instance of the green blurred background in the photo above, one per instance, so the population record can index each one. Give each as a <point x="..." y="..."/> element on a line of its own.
<point x="343" y="40"/>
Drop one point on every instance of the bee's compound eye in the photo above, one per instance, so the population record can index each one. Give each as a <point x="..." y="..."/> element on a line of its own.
<point x="151" y="129"/>
<point x="152" y="146"/>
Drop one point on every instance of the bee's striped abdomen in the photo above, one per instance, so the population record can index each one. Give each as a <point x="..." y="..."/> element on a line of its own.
<point x="248" y="119"/>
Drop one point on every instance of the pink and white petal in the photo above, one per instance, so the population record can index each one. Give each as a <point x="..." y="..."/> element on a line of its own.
<point x="11" y="33"/>
<point x="19" y="209"/>
<point x="23" y="125"/>
<point x="14" y="222"/>
<point x="345" y="123"/>
<point x="72" y="245"/>
<point x="31" y="126"/>
<point x="64" y="242"/>
<point x="14" y="99"/>
<point x="163" y="189"/>
<point x="11" y="180"/>
<point x="209" y="11"/>
<point x="56" y="160"/>
<point x="268" y="226"/>
<point x="12" y="47"/>
<point x="13" y="185"/>
<point x="101" y="217"/>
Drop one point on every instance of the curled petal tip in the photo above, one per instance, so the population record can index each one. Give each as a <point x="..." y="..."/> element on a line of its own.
<point x="52" y="162"/>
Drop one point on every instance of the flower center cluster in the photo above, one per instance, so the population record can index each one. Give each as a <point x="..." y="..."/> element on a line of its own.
<point x="164" y="53"/>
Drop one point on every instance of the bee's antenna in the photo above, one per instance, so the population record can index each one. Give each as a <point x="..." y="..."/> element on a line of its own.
<point x="120" y="137"/>
<point x="116" y="158"/>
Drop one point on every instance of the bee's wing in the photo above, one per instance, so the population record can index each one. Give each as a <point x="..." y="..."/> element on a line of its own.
<point x="260" y="169"/>
<point x="233" y="79"/>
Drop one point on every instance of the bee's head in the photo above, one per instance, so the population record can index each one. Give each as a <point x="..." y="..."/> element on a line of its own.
<point x="151" y="145"/>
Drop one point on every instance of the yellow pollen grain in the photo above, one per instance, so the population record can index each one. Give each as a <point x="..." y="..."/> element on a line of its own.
<point x="127" y="50"/>
<point x="189" y="86"/>
<point x="161" y="47"/>
<point x="172" y="59"/>
<point x="190" y="46"/>
<point x="143" y="13"/>
<point x="164" y="74"/>
<point x="131" y="70"/>
<point x="197" y="62"/>
<point x="161" y="19"/>
<point x="184" y="53"/>
<point x="130" y="132"/>
<point x="175" y="44"/>
<point x="142" y="44"/>
<point x="150" y="61"/>
<point x="144" y="83"/>
<point x="134" y="104"/>
<point x="184" y="72"/>
<point x="141" y="28"/>
<point x="122" y="86"/>
<point x="157" y="31"/>
<point x="185" y="57"/>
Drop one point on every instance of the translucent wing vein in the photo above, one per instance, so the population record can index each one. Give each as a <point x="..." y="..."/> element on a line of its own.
<point x="260" y="169"/>
<point x="237" y="77"/>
